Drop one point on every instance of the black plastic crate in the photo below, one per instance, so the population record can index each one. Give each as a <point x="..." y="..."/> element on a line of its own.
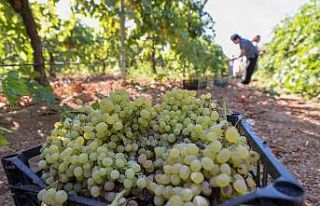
<point x="194" y="84"/>
<point x="276" y="185"/>
<point x="220" y="82"/>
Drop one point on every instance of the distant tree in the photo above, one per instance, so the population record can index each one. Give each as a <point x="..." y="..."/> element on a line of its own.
<point x="292" y="55"/>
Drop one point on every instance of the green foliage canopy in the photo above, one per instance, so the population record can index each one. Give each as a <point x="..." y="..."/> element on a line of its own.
<point x="293" y="54"/>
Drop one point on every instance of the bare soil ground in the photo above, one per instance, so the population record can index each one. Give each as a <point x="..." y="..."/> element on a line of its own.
<point x="289" y="125"/>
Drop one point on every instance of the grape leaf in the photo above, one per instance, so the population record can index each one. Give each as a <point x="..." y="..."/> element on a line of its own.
<point x="3" y="141"/>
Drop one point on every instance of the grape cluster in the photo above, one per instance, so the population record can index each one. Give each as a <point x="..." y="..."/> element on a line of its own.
<point x="52" y="197"/>
<point x="176" y="152"/>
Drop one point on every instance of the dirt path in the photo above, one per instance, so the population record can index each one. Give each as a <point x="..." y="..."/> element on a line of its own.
<point x="290" y="125"/>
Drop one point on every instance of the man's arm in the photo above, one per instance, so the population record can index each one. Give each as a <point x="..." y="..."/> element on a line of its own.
<point x="242" y="53"/>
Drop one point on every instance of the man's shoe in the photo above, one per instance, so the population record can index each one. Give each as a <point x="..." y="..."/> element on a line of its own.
<point x="245" y="82"/>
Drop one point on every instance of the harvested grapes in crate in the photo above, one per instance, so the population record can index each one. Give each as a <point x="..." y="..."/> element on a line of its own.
<point x="133" y="152"/>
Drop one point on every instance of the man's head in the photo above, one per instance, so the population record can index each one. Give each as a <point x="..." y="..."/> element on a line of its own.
<point x="257" y="38"/>
<point x="235" y="38"/>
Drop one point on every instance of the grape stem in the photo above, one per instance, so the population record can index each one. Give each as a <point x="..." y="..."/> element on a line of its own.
<point x="225" y="109"/>
<point x="239" y="120"/>
<point x="119" y="195"/>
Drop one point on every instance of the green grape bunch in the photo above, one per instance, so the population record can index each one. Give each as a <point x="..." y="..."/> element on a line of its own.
<point x="176" y="152"/>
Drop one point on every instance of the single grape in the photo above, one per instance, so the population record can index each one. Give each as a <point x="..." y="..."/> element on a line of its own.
<point x="114" y="174"/>
<point x="196" y="189"/>
<point x="206" y="188"/>
<point x="93" y="156"/>
<point x="95" y="191"/>
<point x="107" y="162"/>
<point x="240" y="186"/>
<point x="89" y="135"/>
<point x="106" y="105"/>
<point x="225" y="169"/>
<point x="200" y="201"/>
<point x="159" y="151"/>
<point x="68" y="187"/>
<point x="164" y="179"/>
<point x="158" y="200"/>
<point x="50" y="194"/>
<point x="251" y="183"/>
<point x="148" y="164"/>
<point x="60" y="197"/>
<point x="128" y="148"/>
<point x="188" y="204"/>
<point x="175" y="179"/>
<point x="101" y="156"/>
<point x="42" y="164"/>
<point x="117" y="126"/>
<point x="145" y="114"/>
<point x="109" y="186"/>
<point x="198" y="129"/>
<point x="151" y="186"/>
<point x="242" y="151"/>
<point x="207" y="163"/>
<point x="175" y="168"/>
<point x="127" y="183"/>
<point x="120" y="163"/>
<point x="211" y="136"/>
<point x="171" y="138"/>
<point x="141" y="182"/>
<point x="132" y="203"/>
<point x="41" y="194"/>
<point x="158" y="190"/>
<point x="142" y="158"/>
<point x="232" y="134"/>
<point x="87" y="166"/>
<point x="195" y="165"/>
<point x="222" y="180"/>
<point x="235" y="158"/>
<point x="186" y="194"/>
<point x="130" y="173"/>
<point x="254" y="156"/>
<point x="101" y="127"/>
<point x="214" y="115"/>
<point x="83" y="158"/>
<point x="214" y="146"/>
<point x="77" y="187"/>
<point x="93" y="146"/>
<point x="192" y="149"/>
<point x="78" y="171"/>
<point x="197" y="177"/>
<point x="167" y="169"/>
<point x="136" y="167"/>
<point x="242" y="169"/>
<point x="176" y="201"/>
<point x="167" y="191"/>
<point x="223" y="156"/>
<point x="184" y="172"/>
<point x="174" y="153"/>
<point x="109" y="196"/>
